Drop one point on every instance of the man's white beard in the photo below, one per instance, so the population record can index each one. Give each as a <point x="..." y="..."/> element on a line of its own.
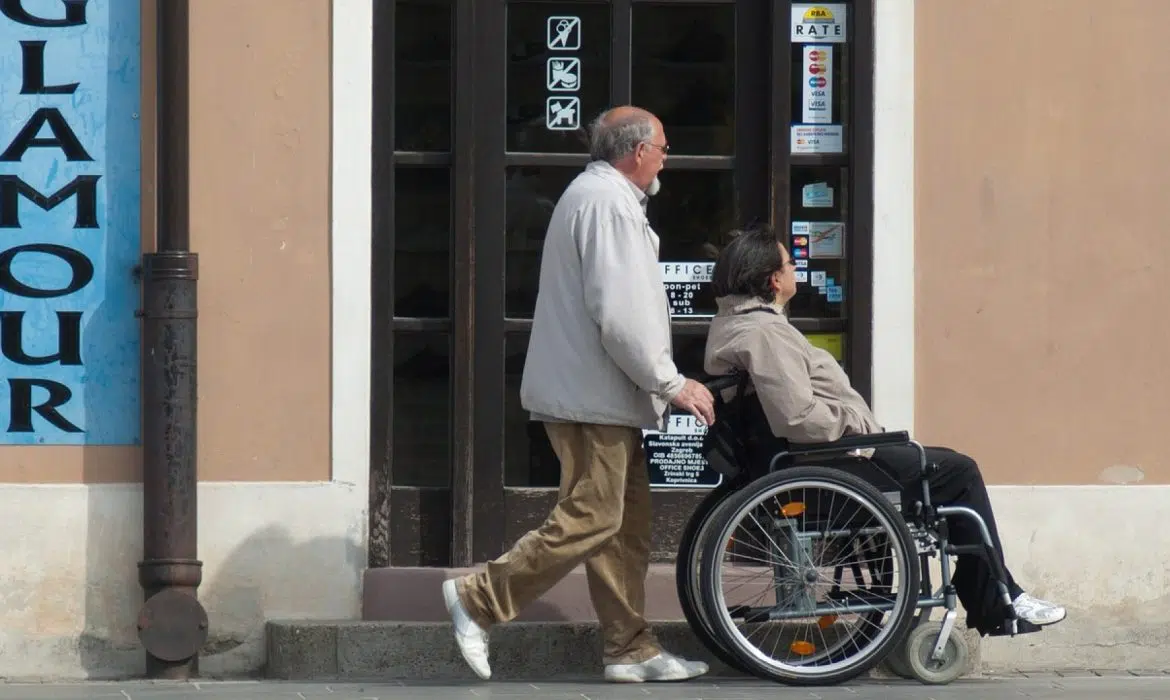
<point x="654" y="187"/>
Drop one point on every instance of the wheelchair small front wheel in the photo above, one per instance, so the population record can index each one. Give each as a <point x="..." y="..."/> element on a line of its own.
<point x="956" y="655"/>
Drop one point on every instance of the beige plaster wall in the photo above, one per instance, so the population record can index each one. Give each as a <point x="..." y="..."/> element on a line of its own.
<point x="1041" y="244"/>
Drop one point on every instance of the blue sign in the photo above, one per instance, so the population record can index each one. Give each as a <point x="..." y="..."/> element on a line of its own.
<point x="69" y="222"/>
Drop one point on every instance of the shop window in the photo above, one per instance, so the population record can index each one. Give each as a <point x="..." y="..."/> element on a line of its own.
<point x="558" y="74"/>
<point x="422" y="409"/>
<point x="819" y="196"/>
<point x="422" y="75"/>
<point x="683" y="59"/>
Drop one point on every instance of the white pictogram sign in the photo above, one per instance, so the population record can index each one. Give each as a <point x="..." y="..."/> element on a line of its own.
<point x="563" y="74"/>
<point x="563" y="113"/>
<point x="564" y="33"/>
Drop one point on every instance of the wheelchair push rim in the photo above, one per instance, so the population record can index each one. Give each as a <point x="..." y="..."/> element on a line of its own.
<point x="805" y="548"/>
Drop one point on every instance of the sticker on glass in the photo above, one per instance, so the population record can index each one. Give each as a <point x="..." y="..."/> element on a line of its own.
<point x="826" y="239"/>
<point x="802" y="276"/>
<point x="834" y="295"/>
<point x="563" y="74"/>
<point x="818" y="278"/>
<point x="687" y="271"/>
<point x="817" y="99"/>
<point x="817" y="195"/>
<point x="826" y="138"/>
<point x="564" y="33"/>
<point x="812" y="23"/>
<point x="563" y="113"/>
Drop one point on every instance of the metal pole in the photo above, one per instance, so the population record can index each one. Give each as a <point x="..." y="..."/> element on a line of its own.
<point x="172" y="625"/>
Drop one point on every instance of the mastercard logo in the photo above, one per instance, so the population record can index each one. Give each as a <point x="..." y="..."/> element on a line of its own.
<point x="816" y="68"/>
<point x="817" y="55"/>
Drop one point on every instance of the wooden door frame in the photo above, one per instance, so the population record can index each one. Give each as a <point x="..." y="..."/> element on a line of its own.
<point x="478" y="516"/>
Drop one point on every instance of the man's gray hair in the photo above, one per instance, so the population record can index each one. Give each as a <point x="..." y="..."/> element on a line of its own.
<point x="613" y="139"/>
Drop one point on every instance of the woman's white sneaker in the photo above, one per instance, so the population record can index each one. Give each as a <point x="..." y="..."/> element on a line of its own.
<point x="1036" y="611"/>
<point x="471" y="638"/>
<point x="662" y="668"/>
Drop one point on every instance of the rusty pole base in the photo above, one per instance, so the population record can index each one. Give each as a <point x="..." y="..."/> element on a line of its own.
<point x="172" y="624"/>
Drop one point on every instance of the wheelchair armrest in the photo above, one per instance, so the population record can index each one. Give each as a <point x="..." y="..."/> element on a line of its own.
<point x="852" y="442"/>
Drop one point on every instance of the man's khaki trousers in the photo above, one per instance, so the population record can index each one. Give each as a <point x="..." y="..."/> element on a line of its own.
<point x="602" y="518"/>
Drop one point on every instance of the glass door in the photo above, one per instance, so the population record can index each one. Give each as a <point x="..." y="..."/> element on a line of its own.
<point x="480" y="109"/>
<point x="703" y="68"/>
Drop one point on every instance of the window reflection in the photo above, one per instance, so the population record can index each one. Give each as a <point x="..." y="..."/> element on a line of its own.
<point x="422" y="242"/>
<point x="684" y="71"/>
<point x="532" y="193"/>
<point x="422" y="75"/>
<point x="422" y="409"/>
<point x="529" y="459"/>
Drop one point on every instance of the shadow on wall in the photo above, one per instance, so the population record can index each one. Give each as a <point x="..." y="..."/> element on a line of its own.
<point x="268" y="575"/>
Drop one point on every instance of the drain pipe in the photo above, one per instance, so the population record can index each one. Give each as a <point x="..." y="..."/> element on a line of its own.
<point x="172" y="625"/>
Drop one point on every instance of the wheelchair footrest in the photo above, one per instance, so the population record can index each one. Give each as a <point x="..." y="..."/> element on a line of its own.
<point x="1022" y="627"/>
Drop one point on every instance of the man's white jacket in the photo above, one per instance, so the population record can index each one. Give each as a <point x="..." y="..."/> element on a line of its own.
<point x="600" y="350"/>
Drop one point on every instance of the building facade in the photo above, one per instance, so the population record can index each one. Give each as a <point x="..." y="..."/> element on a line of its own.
<point x="369" y="182"/>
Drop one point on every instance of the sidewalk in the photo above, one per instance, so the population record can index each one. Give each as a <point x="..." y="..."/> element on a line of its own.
<point x="1081" y="685"/>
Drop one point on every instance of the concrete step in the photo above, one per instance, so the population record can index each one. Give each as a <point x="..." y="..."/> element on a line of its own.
<point x="413" y="594"/>
<point x="534" y="651"/>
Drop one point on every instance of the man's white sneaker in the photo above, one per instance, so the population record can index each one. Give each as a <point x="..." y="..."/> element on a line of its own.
<point x="1036" y="611"/>
<point x="471" y="638"/>
<point x="664" y="667"/>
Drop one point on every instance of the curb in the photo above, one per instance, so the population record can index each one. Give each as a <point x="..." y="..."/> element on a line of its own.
<point x="529" y="651"/>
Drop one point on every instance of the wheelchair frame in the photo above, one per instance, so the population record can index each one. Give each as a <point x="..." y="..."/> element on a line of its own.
<point x="927" y="524"/>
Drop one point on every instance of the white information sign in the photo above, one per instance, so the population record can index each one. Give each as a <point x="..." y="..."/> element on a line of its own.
<point x="564" y="33"/>
<point x="675" y="457"/>
<point x="687" y="271"/>
<point x="826" y="138"/>
<point x="563" y="74"/>
<point x="818" y="85"/>
<point x="563" y="113"/>
<point x="813" y="23"/>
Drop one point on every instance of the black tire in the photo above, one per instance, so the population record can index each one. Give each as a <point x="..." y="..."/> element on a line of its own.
<point x="720" y="529"/>
<point x="685" y="567"/>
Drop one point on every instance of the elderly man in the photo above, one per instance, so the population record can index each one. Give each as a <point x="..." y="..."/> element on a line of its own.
<point x="598" y="371"/>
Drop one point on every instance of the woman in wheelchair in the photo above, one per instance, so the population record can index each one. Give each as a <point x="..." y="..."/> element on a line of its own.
<point x="806" y="398"/>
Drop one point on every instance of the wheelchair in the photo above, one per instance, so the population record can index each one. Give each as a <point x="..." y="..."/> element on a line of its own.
<point x="829" y="566"/>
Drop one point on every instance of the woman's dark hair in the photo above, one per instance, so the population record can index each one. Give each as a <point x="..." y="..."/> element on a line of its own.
<point x="745" y="265"/>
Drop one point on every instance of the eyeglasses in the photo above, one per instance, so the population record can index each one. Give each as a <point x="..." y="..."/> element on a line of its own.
<point x="788" y="263"/>
<point x="665" y="148"/>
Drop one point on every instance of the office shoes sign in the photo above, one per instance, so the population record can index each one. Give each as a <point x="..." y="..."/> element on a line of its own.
<point x="69" y="211"/>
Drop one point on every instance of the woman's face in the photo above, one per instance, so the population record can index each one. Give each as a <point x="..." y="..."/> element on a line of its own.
<point x="784" y="279"/>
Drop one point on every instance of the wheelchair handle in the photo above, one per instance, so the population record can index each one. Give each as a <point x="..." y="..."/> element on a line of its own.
<point x="720" y="383"/>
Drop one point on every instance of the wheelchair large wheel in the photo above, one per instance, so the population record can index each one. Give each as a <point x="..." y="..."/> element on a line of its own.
<point x="687" y="575"/>
<point x="789" y="535"/>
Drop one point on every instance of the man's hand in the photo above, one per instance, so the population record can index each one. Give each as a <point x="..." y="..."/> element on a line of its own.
<point x="696" y="400"/>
